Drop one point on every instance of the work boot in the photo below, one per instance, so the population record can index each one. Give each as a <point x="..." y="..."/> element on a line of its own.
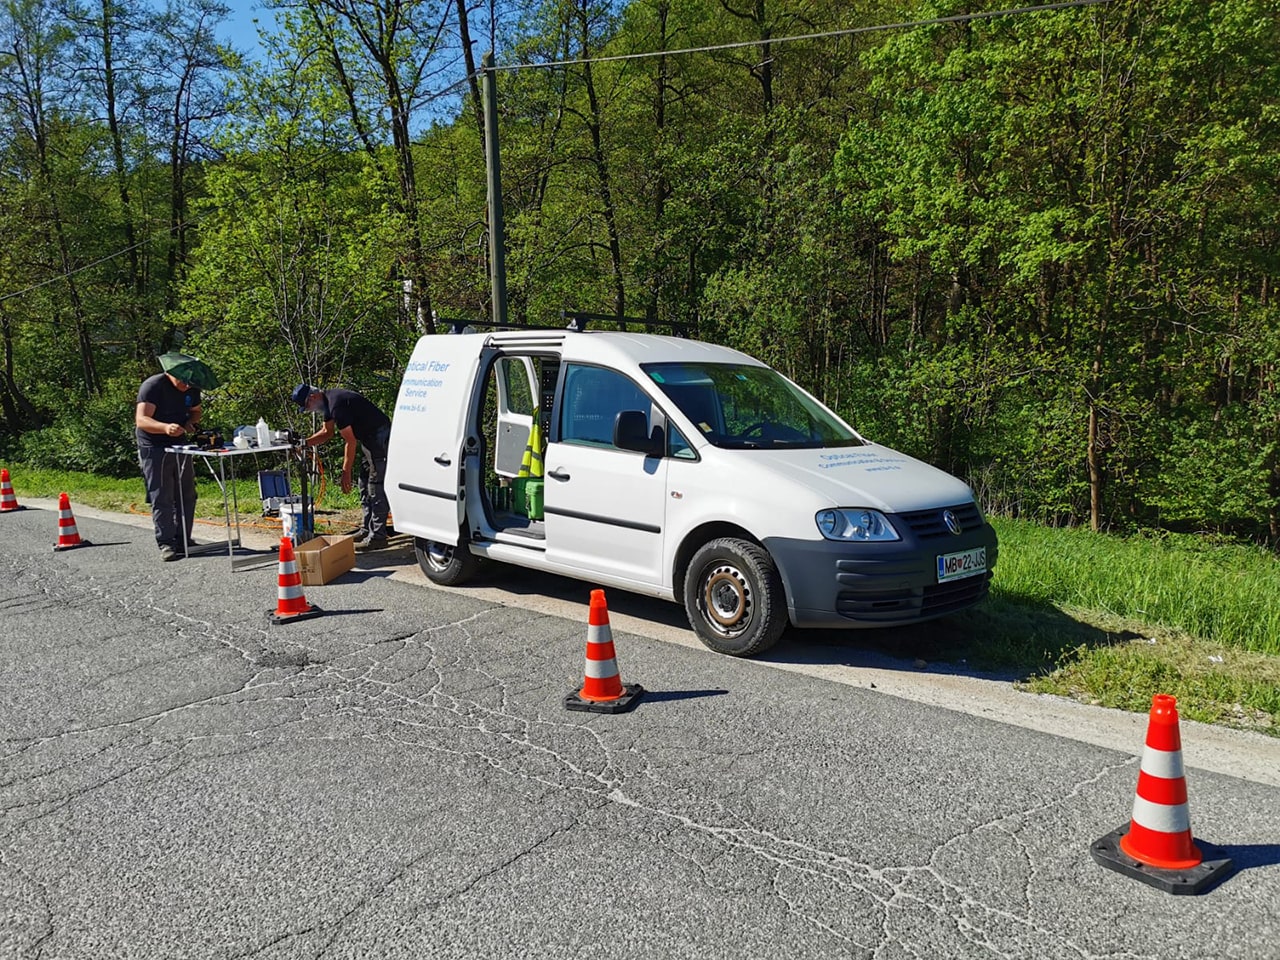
<point x="167" y="553"/>
<point x="371" y="543"/>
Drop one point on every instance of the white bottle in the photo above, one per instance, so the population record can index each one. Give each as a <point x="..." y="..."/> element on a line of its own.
<point x="264" y="433"/>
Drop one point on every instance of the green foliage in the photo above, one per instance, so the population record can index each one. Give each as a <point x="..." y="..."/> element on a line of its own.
<point x="95" y="435"/>
<point x="1037" y="250"/>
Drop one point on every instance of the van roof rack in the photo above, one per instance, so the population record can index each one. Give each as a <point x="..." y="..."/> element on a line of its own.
<point x="460" y="326"/>
<point x="577" y="321"/>
<point x="573" y="320"/>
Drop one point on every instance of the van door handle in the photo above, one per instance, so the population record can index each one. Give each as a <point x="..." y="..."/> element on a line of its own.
<point x="443" y="460"/>
<point x="557" y="474"/>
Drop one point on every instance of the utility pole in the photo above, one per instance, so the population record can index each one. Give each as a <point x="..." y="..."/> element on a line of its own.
<point x="497" y="234"/>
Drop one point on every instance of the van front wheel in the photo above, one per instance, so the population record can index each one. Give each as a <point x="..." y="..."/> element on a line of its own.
<point x="446" y="565"/>
<point x="734" y="597"/>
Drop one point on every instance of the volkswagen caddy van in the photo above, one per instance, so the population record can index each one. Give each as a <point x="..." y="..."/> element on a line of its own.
<point x="676" y="469"/>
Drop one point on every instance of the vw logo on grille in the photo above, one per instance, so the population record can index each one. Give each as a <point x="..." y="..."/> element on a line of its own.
<point x="952" y="523"/>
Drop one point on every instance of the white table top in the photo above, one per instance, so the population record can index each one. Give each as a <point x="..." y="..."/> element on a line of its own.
<point x="229" y="450"/>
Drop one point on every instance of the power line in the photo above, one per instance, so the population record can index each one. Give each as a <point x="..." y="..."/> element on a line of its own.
<point x="849" y="31"/>
<point x="331" y="153"/>
<point x="457" y="85"/>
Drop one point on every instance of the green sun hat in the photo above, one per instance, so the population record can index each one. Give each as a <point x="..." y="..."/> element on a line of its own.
<point x="189" y="370"/>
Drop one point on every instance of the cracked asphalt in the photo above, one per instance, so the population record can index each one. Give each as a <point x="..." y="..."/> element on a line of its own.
<point x="181" y="778"/>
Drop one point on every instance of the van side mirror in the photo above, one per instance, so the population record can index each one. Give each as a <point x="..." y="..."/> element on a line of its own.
<point x="631" y="432"/>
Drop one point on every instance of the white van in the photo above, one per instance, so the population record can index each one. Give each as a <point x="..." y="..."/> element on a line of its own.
<point x="676" y="469"/>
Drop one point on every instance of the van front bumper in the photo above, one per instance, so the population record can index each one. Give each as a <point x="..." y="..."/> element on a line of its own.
<point x="835" y="584"/>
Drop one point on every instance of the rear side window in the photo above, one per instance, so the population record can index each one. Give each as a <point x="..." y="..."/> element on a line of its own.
<point x="518" y="396"/>
<point x="593" y="398"/>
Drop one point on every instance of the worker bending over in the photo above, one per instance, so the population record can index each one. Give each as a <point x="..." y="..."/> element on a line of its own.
<point x="360" y="423"/>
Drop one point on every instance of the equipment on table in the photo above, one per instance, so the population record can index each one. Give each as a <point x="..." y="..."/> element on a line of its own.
<point x="207" y="440"/>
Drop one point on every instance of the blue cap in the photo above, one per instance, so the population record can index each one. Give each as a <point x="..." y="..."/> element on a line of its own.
<point x="301" y="392"/>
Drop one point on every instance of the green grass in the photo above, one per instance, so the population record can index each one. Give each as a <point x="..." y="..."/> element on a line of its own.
<point x="1114" y="620"/>
<point x="1105" y="619"/>
<point x="129" y="496"/>
<point x="1218" y="591"/>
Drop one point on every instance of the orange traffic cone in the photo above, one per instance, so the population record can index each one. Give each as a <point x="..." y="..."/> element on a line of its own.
<point x="291" y="603"/>
<point x="68" y="536"/>
<point x="1156" y="846"/>
<point x="8" y="502"/>
<point x="602" y="688"/>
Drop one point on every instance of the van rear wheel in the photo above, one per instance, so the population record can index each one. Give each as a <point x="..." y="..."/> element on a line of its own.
<point x="733" y="597"/>
<point x="445" y="564"/>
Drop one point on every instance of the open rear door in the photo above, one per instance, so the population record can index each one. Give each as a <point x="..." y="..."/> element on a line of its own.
<point x="424" y="464"/>
<point x="517" y="405"/>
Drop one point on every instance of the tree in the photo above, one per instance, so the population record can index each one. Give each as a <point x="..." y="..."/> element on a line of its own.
<point x="34" y="77"/>
<point x="294" y="278"/>
<point x="1046" y="182"/>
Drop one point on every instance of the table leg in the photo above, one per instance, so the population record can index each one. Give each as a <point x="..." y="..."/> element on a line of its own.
<point x="182" y="506"/>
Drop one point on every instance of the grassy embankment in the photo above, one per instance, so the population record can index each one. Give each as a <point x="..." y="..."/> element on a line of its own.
<point x="128" y="496"/>
<point x="1100" y="618"/>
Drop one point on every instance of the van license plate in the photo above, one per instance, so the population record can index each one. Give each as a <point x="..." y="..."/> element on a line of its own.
<point x="966" y="563"/>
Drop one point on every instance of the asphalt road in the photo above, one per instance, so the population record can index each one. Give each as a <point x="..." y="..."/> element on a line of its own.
<point x="399" y="778"/>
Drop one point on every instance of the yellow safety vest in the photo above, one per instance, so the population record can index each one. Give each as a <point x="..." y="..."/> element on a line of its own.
<point x="531" y="462"/>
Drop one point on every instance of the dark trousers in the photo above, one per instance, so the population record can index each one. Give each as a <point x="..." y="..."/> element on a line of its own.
<point x="373" y="495"/>
<point x="162" y="474"/>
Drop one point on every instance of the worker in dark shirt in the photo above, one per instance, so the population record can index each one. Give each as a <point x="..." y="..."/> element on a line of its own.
<point x="361" y="424"/>
<point x="167" y="410"/>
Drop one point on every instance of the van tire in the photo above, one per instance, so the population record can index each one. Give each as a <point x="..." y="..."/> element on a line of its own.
<point x="734" y="598"/>
<point x="446" y="565"/>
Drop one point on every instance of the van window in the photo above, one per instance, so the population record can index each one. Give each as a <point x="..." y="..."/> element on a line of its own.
<point x="747" y="406"/>
<point x="519" y="398"/>
<point x="593" y="398"/>
<point x="677" y="445"/>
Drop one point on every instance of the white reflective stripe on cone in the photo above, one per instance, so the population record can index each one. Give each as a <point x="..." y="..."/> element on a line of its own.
<point x="601" y="669"/>
<point x="595" y="631"/>
<point x="288" y="566"/>
<point x="1162" y="817"/>
<point x="1165" y="764"/>
<point x="290" y="593"/>
<point x="68" y="530"/>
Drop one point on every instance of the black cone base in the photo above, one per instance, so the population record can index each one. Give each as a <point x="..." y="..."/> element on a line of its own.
<point x="631" y="694"/>
<point x="1212" y="870"/>
<point x="308" y="614"/>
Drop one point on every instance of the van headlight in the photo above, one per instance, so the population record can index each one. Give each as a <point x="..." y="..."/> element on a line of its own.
<point x="862" y="526"/>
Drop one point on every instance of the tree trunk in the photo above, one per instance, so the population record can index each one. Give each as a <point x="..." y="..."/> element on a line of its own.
<point x="1095" y="442"/>
<point x="464" y="37"/>
<point x="662" y="189"/>
<point x="18" y="410"/>
<point x="117" y="147"/>
<point x="602" y="171"/>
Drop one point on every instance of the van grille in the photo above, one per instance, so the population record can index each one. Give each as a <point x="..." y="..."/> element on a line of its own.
<point x="935" y="600"/>
<point x="929" y="525"/>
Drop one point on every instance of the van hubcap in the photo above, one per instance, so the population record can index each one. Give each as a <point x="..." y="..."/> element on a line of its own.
<point x="439" y="555"/>
<point x="726" y="597"/>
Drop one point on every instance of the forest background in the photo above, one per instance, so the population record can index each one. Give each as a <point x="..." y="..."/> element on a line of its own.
<point x="1035" y="249"/>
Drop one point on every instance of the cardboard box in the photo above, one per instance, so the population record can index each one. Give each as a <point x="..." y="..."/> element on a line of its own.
<point x="322" y="559"/>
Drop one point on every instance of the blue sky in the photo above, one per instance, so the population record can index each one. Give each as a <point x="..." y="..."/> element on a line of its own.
<point x="238" y="29"/>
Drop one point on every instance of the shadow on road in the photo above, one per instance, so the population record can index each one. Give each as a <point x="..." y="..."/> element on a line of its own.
<point x="1247" y="856"/>
<point x="1004" y="638"/>
<point x="998" y="640"/>
<point x="652" y="696"/>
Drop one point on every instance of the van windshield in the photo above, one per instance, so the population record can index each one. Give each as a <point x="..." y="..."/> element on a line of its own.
<point x="744" y="406"/>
